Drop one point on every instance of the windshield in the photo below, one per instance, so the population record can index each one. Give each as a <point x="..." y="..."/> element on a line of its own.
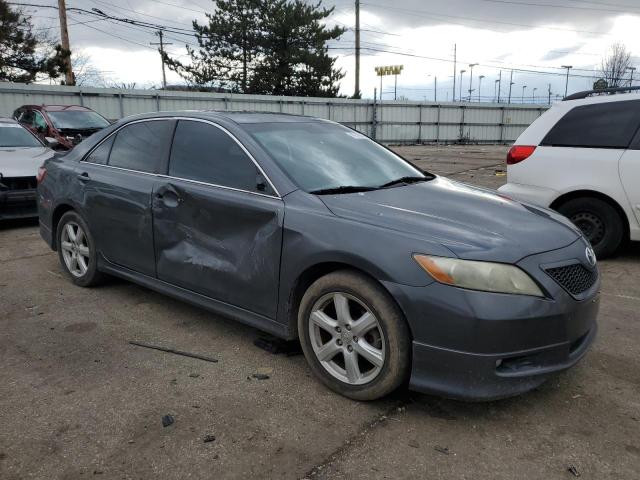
<point x="13" y="135"/>
<point x="77" y="120"/>
<point x="324" y="156"/>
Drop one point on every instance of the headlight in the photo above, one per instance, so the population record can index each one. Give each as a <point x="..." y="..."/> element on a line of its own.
<point x="485" y="276"/>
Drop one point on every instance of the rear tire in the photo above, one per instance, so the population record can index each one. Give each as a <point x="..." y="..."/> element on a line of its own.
<point x="599" y="222"/>
<point x="76" y="250"/>
<point x="363" y="354"/>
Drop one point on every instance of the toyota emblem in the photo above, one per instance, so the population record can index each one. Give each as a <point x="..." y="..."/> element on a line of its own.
<point x="591" y="256"/>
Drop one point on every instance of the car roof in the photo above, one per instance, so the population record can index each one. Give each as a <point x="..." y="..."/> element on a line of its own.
<point x="619" y="97"/>
<point x="57" y="108"/>
<point x="238" y="117"/>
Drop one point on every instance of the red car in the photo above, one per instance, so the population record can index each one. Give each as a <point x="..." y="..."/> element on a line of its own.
<point x="61" y="126"/>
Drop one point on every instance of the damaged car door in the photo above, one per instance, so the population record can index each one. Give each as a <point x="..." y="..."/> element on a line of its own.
<point x="218" y="220"/>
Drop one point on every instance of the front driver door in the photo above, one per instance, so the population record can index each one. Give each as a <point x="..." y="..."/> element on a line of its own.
<point x="217" y="221"/>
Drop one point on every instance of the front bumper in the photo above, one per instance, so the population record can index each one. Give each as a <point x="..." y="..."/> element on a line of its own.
<point x="18" y="204"/>
<point x="482" y="346"/>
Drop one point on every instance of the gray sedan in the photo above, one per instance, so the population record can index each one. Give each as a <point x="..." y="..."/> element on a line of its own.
<point x="307" y="229"/>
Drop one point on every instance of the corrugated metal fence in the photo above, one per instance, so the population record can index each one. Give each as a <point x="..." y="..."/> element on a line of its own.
<point x="388" y="122"/>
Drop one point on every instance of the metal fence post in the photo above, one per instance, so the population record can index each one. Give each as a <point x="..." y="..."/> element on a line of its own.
<point x="121" y="102"/>
<point x="438" y="125"/>
<point x="374" y="123"/>
<point x="502" y="126"/>
<point x="81" y="98"/>
<point x="157" y="102"/>
<point x="419" y="124"/>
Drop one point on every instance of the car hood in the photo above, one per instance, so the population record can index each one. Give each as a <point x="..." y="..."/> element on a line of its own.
<point x="473" y="223"/>
<point x="22" y="161"/>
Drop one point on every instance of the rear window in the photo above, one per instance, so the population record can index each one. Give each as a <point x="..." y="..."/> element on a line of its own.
<point x="14" y="135"/>
<point x="604" y="125"/>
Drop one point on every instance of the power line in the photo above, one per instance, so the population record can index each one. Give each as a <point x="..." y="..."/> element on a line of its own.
<point x="550" y="5"/>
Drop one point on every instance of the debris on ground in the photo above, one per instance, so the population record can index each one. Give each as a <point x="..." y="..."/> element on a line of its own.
<point x="176" y="352"/>
<point x="209" y="438"/>
<point x="260" y="376"/>
<point x="277" y="346"/>
<point x="443" y="450"/>
<point x="413" y="445"/>
<point x="573" y="470"/>
<point x="167" y="420"/>
<point x="194" y="375"/>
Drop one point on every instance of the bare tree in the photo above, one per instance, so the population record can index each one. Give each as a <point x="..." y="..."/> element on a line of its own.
<point x="615" y="65"/>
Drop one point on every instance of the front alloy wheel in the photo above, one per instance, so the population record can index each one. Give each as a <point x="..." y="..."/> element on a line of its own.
<point x="353" y="335"/>
<point x="347" y="338"/>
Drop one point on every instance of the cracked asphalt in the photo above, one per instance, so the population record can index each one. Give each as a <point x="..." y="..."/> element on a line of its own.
<point x="77" y="400"/>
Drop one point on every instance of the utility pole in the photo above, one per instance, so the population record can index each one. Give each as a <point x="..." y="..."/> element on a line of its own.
<point x="64" y="40"/>
<point x="162" y="44"/>
<point x="499" y="85"/>
<point x="566" y="85"/>
<point x="461" y="73"/>
<point x="511" y="84"/>
<point x="471" y="65"/>
<point x="455" y="48"/>
<point x="356" y="93"/>
<point x="549" y="94"/>
<point x="480" y="87"/>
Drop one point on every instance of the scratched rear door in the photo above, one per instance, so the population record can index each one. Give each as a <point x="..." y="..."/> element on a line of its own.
<point x="217" y="221"/>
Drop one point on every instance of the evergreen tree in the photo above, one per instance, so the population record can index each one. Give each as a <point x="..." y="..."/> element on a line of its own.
<point x="274" y="47"/>
<point x="25" y="56"/>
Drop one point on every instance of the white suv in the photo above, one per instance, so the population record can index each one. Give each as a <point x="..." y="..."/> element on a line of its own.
<point x="582" y="158"/>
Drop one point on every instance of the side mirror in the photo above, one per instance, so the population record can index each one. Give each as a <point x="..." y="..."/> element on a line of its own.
<point x="51" y="142"/>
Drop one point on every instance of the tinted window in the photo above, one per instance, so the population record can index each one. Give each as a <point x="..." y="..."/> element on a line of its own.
<point x="141" y="146"/>
<point x="77" y="119"/>
<point x="101" y="154"/>
<point x="205" y="153"/>
<point x="605" y="125"/>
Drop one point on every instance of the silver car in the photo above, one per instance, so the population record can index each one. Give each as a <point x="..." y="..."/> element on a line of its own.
<point x="21" y="155"/>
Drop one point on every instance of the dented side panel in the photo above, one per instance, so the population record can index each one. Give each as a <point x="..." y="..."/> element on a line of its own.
<point x="218" y="242"/>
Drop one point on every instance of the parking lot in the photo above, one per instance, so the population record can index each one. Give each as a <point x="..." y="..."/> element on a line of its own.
<point x="78" y="400"/>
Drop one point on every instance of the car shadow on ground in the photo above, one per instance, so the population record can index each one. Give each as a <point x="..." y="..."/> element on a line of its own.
<point x="15" y="223"/>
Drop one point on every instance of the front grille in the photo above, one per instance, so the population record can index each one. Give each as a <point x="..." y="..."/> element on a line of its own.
<point x="18" y="183"/>
<point x="575" y="278"/>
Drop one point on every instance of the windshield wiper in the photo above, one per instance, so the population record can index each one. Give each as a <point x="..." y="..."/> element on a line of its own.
<point x="410" y="179"/>
<point x="342" y="189"/>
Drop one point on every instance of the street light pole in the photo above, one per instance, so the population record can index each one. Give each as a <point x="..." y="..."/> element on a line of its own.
<point x="511" y="84"/>
<point x="461" y="73"/>
<point x="495" y="90"/>
<point x="471" y="65"/>
<point x="566" y="85"/>
<point x="534" y="94"/>
<point x="435" y="89"/>
<point x="480" y="87"/>
<point x="523" y="89"/>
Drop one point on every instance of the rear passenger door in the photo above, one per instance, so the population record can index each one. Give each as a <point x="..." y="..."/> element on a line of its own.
<point x="217" y="221"/>
<point x="117" y="180"/>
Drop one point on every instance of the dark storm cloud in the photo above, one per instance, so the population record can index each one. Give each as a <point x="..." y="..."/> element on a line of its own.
<point x="498" y="15"/>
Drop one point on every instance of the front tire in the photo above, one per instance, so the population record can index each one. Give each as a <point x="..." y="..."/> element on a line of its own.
<point x="354" y="336"/>
<point x="76" y="250"/>
<point x="598" y="221"/>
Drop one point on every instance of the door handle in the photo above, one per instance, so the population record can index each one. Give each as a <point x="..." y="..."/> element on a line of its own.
<point x="83" y="177"/>
<point x="168" y="197"/>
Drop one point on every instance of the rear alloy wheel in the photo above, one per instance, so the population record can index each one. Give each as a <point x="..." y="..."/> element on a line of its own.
<point x="76" y="250"/>
<point x="598" y="221"/>
<point x="354" y="336"/>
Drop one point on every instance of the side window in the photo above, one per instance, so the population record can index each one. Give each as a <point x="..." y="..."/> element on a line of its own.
<point x="207" y="154"/>
<point x="38" y="121"/>
<point x="101" y="154"/>
<point x="26" y="117"/>
<point x="604" y="125"/>
<point x="141" y="146"/>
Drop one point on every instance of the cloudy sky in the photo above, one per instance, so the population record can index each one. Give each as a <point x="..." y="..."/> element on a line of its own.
<point x="532" y="37"/>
